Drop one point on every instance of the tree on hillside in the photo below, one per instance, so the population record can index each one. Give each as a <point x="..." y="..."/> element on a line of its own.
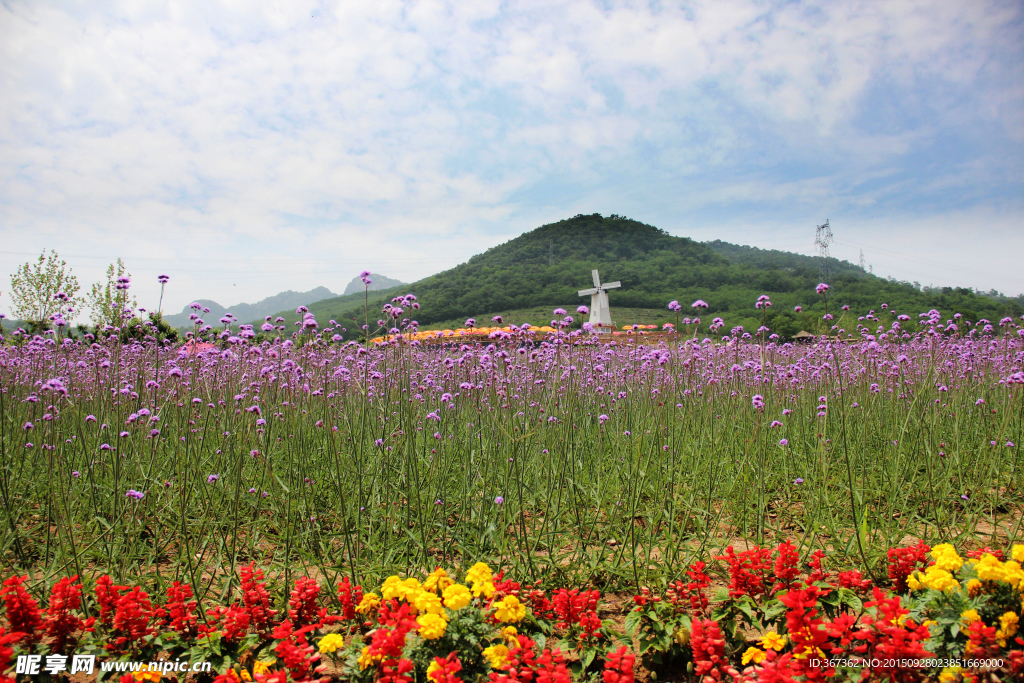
<point x="42" y="290"/>
<point x="107" y="301"/>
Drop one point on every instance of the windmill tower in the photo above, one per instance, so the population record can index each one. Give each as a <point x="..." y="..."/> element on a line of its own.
<point x="823" y="238"/>
<point x="600" y="311"/>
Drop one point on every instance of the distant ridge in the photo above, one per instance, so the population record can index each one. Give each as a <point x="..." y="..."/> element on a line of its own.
<point x="547" y="266"/>
<point x="378" y="282"/>
<point x="250" y="312"/>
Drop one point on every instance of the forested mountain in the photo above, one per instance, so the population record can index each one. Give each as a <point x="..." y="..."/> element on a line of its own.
<point x="548" y="266"/>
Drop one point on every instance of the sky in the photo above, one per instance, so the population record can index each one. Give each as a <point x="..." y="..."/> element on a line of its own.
<point x="246" y="148"/>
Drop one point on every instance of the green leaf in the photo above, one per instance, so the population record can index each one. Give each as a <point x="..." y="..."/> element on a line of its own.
<point x="633" y="620"/>
<point x="849" y="598"/>
<point x="746" y="606"/>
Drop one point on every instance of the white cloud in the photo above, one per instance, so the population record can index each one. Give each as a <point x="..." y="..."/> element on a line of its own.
<point x="245" y="148"/>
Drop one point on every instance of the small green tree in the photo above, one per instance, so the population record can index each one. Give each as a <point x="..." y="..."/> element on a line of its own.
<point x="107" y="301"/>
<point x="34" y="290"/>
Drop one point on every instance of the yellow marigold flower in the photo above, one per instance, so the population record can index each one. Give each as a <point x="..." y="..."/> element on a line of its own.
<point x="456" y="596"/>
<point x="929" y="623"/>
<point x="509" y="610"/>
<point x="148" y="675"/>
<point x="366" y="660"/>
<point x="989" y="568"/>
<point x="432" y="626"/>
<point x="1008" y="624"/>
<point x="437" y="580"/>
<point x="950" y="674"/>
<point x="479" y="573"/>
<point x="970" y="616"/>
<point x="483" y="588"/>
<point x="392" y="588"/>
<point x="496" y="655"/>
<point x="938" y="579"/>
<point x="508" y="634"/>
<point x="773" y="641"/>
<point x="754" y="655"/>
<point x="425" y="601"/>
<point x="1017" y="553"/>
<point x="261" y="667"/>
<point x="1014" y="573"/>
<point x="913" y="582"/>
<point x="331" y="642"/>
<point x="369" y="603"/>
<point x="974" y="588"/>
<point x="946" y="558"/>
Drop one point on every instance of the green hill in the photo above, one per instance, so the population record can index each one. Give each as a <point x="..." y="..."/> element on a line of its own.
<point x="547" y="266"/>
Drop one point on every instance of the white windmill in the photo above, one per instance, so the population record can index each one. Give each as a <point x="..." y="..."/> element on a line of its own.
<point x="600" y="312"/>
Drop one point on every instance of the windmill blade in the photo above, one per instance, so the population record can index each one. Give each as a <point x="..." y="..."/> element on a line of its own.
<point x="597" y="280"/>
<point x="612" y="285"/>
<point x="589" y="292"/>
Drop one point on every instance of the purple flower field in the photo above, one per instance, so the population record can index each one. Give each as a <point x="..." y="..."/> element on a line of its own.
<point x="545" y="454"/>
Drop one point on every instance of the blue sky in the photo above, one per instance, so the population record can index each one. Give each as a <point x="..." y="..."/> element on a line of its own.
<point x="248" y="148"/>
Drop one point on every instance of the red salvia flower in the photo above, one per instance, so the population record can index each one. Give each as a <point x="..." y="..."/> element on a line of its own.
<point x="807" y="632"/>
<point x="256" y="599"/>
<point x="709" y="660"/>
<point x="297" y="656"/>
<point x="61" y="618"/>
<point x="903" y="561"/>
<point x="519" y="664"/>
<point x="388" y="642"/>
<point x="618" y="668"/>
<point x="817" y="572"/>
<point x="590" y="623"/>
<point x="132" y="616"/>
<point x="349" y="597"/>
<point x="551" y="667"/>
<point x="503" y="586"/>
<point x="1015" y="656"/>
<point x="540" y="605"/>
<point x="786" y="566"/>
<point x="22" y="609"/>
<point x="981" y="642"/>
<point x="214" y="616"/>
<point x="397" y="671"/>
<point x="699" y="582"/>
<point x="7" y="652"/>
<point x="448" y="667"/>
<point x="181" y="610"/>
<point x="570" y="605"/>
<point x="107" y="595"/>
<point x="775" y="668"/>
<point x="391" y="613"/>
<point x="236" y="623"/>
<point x="748" y="571"/>
<point x="854" y="580"/>
<point x="302" y="607"/>
<point x="886" y="636"/>
<point x="975" y="554"/>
